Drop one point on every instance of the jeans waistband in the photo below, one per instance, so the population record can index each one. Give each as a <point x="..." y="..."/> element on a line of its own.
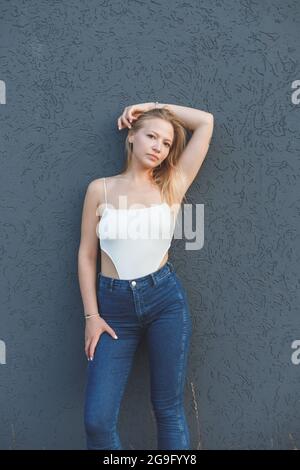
<point x="144" y="281"/>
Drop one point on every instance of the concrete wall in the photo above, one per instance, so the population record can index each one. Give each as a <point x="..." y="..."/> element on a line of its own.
<point x="68" y="69"/>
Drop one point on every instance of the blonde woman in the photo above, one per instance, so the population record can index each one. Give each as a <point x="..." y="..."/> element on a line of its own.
<point x="138" y="294"/>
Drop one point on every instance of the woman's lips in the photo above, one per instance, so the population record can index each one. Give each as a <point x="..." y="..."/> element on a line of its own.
<point x="153" y="157"/>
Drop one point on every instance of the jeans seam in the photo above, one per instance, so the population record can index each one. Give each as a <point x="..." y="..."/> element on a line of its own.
<point x="181" y="294"/>
<point x="181" y="366"/>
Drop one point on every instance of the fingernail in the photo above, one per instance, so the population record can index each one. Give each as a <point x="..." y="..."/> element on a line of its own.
<point x="115" y="337"/>
<point x="92" y="358"/>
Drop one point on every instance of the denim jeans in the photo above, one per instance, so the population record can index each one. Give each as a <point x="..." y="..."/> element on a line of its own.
<point x="156" y="306"/>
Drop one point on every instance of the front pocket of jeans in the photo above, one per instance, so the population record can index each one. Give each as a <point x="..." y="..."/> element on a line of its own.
<point x="104" y="296"/>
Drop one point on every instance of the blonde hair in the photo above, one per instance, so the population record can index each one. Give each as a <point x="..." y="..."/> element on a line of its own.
<point x="167" y="175"/>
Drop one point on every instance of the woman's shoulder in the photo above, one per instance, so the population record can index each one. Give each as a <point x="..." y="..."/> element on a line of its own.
<point x="108" y="180"/>
<point x="98" y="186"/>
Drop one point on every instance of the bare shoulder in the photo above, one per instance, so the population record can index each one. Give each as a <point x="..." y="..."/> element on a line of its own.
<point x="95" y="194"/>
<point x="95" y="186"/>
<point x="97" y="191"/>
<point x="99" y="182"/>
<point x="110" y="182"/>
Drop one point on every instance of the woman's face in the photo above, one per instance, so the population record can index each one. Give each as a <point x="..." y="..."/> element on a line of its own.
<point x="154" y="138"/>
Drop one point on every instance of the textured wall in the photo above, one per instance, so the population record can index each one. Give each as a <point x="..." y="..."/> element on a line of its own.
<point x="69" y="68"/>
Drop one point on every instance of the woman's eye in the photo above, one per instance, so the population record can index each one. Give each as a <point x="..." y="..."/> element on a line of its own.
<point x="150" y="135"/>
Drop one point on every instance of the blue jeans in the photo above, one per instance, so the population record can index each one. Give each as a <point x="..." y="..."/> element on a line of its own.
<point x="155" y="305"/>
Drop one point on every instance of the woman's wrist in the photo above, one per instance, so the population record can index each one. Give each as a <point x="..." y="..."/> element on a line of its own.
<point x="91" y="315"/>
<point x="157" y="105"/>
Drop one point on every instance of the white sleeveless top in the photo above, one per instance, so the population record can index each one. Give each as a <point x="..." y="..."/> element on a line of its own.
<point x="136" y="240"/>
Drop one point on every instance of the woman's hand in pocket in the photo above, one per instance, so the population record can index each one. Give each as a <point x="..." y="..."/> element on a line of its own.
<point x="94" y="327"/>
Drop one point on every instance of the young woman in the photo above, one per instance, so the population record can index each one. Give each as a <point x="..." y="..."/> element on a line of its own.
<point x="137" y="293"/>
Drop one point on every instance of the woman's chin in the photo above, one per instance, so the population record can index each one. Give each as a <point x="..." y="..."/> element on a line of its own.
<point x="151" y="162"/>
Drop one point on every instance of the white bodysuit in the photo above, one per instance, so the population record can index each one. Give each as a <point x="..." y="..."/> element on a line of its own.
<point x="136" y="240"/>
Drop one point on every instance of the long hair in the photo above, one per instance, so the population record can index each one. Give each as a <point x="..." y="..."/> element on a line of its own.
<point x="167" y="175"/>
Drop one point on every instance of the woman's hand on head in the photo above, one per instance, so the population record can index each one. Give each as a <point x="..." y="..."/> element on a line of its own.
<point x="132" y="113"/>
<point x="94" y="328"/>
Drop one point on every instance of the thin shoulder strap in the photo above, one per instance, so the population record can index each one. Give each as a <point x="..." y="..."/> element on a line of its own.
<point x="105" y="192"/>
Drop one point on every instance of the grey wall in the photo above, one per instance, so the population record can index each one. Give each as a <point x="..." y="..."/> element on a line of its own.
<point x="69" y="69"/>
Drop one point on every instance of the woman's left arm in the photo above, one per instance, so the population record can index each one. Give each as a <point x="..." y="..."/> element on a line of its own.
<point x="201" y="124"/>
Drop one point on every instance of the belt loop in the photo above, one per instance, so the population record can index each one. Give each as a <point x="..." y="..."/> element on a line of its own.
<point x="153" y="279"/>
<point x="111" y="284"/>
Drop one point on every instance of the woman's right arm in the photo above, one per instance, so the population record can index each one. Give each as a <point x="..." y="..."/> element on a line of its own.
<point x="87" y="269"/>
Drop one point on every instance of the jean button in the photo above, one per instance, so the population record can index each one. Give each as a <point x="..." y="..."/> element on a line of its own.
<point x="133" y="283"/>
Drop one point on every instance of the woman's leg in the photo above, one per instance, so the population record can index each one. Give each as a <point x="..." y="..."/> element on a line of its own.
<point x="168" y="338"/>
<point x="107" y="378"/>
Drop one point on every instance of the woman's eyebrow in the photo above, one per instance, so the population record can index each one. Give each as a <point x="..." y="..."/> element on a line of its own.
<point x="158" y="134"/>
